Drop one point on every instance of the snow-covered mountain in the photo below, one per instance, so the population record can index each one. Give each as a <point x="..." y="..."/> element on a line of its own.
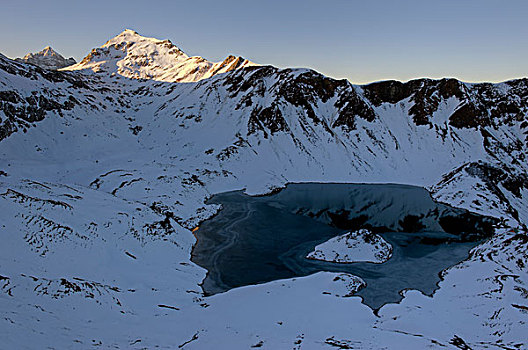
<point x="134" y="56"/>
<point x="103" y="175"/>
<point x="47" y="59"/>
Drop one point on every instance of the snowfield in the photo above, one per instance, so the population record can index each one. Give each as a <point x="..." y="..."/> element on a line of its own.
<point x="358" y="246"/>
<point x="105" y="168"/>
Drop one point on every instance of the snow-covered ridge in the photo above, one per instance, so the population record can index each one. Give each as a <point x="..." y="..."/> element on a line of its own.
<point x="47" y="59"/>
<point x="358" y="246"/>
<point x="134" y="56"/>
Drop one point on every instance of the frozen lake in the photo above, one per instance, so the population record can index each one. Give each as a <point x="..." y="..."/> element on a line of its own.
<point x="260" y="239"/>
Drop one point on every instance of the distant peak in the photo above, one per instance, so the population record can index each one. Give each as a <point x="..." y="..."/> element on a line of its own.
<point x="139" y="57"/>
<point x="47" y="58"/>
<point x="48" y="51"/>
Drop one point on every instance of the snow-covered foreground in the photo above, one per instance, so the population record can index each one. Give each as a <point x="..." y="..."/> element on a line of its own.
<point x="358" y="246"/>
<point x="103" y="177"/>
<point x="107" y="279"/>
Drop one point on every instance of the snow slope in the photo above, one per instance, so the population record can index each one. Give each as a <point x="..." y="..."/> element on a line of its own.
<point x="103" y="176"/>
<point x="361" y="245"/>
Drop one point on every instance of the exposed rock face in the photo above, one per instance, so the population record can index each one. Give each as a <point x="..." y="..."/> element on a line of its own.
<point x="51" y="91"/>
<point x="47" y="59"/>
<point x="477" y="103"/>
<point x="500" y="186"/>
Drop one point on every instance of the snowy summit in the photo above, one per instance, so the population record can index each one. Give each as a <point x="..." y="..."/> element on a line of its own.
<point x="47" y="59"/>
<point x="134" y="56"/>
<point x="358" y="246"/>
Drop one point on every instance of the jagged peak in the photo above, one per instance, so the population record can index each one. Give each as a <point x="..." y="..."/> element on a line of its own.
<point x="48" y="50"/>
<point x="45" y="52"/>
<point x="47" y="58"/>
<point x="139" y="57"/>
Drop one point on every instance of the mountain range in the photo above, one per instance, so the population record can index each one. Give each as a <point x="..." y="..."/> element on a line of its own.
<point x="106" y="164"/>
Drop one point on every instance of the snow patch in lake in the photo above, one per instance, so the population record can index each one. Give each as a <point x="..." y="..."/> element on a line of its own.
<point x="358" y="246"/>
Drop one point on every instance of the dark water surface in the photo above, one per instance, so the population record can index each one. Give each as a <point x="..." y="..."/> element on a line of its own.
<point x="260" y="239"/>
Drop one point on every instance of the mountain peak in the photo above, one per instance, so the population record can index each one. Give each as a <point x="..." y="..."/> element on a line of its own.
<point x="129" y="31"/>
<point x="129" y="35"/>
<point x="47" y="58"/>
<point x="45" y="52"/>
<point x="132" y="55"/>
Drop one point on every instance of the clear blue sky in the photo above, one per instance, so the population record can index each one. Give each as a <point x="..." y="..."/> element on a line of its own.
<point x="360" y="40"/>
